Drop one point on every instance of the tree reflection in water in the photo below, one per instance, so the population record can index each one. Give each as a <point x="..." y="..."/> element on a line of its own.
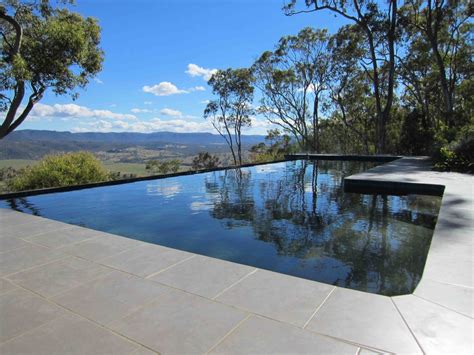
<point x="375" y="243"/>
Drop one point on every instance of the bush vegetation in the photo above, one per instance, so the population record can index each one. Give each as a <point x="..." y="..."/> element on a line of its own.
<point x="60" y="170"/>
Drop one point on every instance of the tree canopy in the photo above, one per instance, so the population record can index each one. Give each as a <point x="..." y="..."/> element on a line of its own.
<point x="43" y="47"/>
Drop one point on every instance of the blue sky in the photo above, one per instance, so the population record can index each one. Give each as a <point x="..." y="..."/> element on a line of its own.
<point x="158" y="54"/>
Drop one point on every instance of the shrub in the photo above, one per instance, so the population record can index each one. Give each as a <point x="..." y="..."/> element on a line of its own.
<point x="164" y="167"/>
<point x="60" y="170"/>
<point x="459" y="154"/>
<point x="205" y="161"/>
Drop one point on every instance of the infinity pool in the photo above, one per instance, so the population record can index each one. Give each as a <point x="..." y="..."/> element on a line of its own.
<point x="292" y="217"/>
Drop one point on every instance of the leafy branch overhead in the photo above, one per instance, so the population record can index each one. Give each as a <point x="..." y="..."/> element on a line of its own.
<point x="43" y="47"/>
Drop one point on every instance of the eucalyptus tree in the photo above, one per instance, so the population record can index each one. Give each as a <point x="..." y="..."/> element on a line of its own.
<point x="293" y="80"/>
<point x="438" y="58"/>
<point x="231" y="111"/>
<point x="378" y="27"/>
<point x="43" y="47"/>
<point x="352" y="103"/>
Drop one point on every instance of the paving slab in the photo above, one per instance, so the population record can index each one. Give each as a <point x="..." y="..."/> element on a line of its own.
<point x="437" y="329"/>
<point x="180" y="323"/>
<point x="259" y="335"/>
<point x="146" y="259"/>
<point x="110" y="298"/>
<point x="281" y="297"/>
<point x="365" y="319"/>
<point x="69" y="335"/>
<point x="26" y="257"/>
<point x="6" y="286"/>
<point x="10" y="243"/>
<point x="63" y="237"/>
<point x="21" y="311"/>
<point x="105" y="245"/>
<point x="26" y="230"/>
<point x="59" y="276"/>
<point x="203" y="276"/>
<point x="456" y="298"/>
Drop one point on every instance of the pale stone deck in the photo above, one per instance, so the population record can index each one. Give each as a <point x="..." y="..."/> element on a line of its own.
<point x="71" y="290"/>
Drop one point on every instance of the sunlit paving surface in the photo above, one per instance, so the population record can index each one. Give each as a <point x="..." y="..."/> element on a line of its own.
<point x="291" y="217"/>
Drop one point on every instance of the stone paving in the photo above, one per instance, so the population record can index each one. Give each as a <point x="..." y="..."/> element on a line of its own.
<point x="70" y="290"/>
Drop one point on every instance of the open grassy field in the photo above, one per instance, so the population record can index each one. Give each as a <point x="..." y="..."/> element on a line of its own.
<point x="16" y="163"/>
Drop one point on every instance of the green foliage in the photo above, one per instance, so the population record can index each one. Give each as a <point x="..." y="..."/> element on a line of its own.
<point x="459" y="154"/>
<point x="230" y="112"/>
<point x="60" y="170"/>
<point x="204" y="160"/>
<point x="43" y="47"/>
<point x="164" y="167"/>
<point x="417" y="135"/>
<point x="275" y="148"/>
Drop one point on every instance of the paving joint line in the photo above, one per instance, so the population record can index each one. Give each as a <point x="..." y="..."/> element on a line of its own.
<point x="220" y="341"/>
<point x="234" y="284"/>
<point x="319" y="307"/>
<point x="406" y="323"/>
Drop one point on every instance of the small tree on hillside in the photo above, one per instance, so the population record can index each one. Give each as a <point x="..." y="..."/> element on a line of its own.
<point x="43" y="47"/>
<point x="232" y="109"/>
<point x="204" y="160"/>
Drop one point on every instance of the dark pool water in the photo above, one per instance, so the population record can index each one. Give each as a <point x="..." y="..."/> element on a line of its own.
<point x="292" y="217"/>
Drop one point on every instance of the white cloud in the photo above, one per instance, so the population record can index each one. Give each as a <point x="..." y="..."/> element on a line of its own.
<point x="73" y="111"/>
<point x="153" y="125"/>
<point x="198" y="88"/>
<point x="205" y="102"/>
<point x="196" y="70"/>
<point x="165" y="88"/>
<point x="140" y="110"/>
<point x="98" y="81"/>
<point x="148" y="103"/>
<point x="171" y="112"/>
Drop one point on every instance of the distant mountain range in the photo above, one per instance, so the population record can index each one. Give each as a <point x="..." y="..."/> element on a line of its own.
<point x="34" y="144"/>
<point x="127" y="138"/>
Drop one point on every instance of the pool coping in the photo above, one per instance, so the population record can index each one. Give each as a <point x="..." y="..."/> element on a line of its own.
<point x="437" y="317"/>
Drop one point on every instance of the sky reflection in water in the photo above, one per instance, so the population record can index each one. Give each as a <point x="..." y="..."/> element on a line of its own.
<point x="291" y="217"/>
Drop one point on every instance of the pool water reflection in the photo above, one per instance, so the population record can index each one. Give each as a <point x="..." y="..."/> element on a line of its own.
<point x="292" y="217"/>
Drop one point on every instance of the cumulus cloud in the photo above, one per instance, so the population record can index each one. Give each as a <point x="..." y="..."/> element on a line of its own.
<point x="165" y="88"/>
<point x="73" y="111"/>
<point x="140" y="110"/>
<point x="195" y="70"/>
<point x="153" y="125"/>
<point x="198" y="88"/>
<point x="171" y="112"/>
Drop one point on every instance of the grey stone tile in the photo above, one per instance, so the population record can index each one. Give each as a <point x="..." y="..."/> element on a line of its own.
<point x="6" y="286"/>
<point x="102" y="247"/>
<point x="145" y="259"/>
<point x="63" y="237"/>
<point x="68" y="335"/>
<point x="21" y="311"/>
<point x="259" y="335"/>
<point x="9" y="218"/>
<point x="179" y="323"/>
<point x="457" y="298"/>
<point x="27" y="257"/>
<point x="278" y="296"/>
<point x="26" y="230"/>
<point x="365" y="319"/>
<point x="10" y="243"/>
<point x="59" y="276"/>
<point x="438" y="329"/>
<point x="143" y="351"/>
<point x="450" y="268"/>
<point x="203" y="276"/>
<point x="111" y="297"/>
